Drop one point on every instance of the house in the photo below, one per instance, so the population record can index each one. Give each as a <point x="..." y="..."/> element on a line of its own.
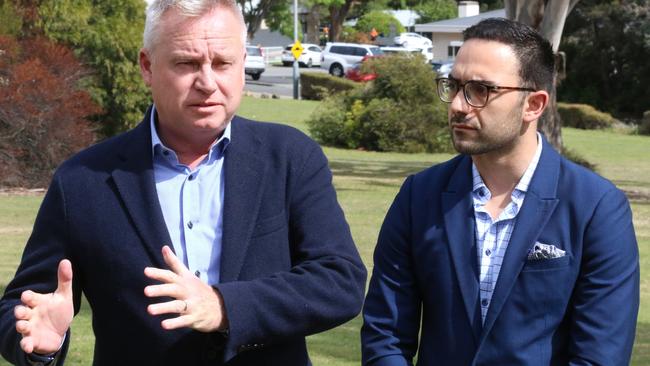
<point x="447" y="35"/>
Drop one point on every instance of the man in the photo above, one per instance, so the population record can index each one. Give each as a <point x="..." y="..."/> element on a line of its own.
<point x="198" y="237"/>
<point x="507" y="254"/>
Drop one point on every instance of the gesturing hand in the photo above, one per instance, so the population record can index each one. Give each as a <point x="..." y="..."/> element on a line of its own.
<point x="43" y="319"/>
<point x="199" y="305"/>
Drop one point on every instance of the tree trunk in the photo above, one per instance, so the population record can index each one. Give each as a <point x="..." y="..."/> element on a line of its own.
<point x="254" y="15"/>
<point x="313" y="23"/>
<point x="547" y="17"/>
<point x="337" y="17"/>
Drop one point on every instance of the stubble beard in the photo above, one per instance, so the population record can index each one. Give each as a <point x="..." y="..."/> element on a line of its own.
<point x="492" y="139"/>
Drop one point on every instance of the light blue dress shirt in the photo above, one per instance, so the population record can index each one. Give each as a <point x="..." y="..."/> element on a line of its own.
<point x="493" y="236"/>
<point x="192" y="204"/>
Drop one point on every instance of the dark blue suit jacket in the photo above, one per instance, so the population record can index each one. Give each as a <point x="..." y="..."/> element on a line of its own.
<point x="289" y="267"/>
<point x="579" y="309"/>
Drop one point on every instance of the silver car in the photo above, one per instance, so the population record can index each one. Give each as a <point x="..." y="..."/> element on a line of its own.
<point x="254" y="65"/>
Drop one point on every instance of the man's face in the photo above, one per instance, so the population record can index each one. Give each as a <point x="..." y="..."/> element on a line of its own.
<point x="196" y="73"/>
<point x="498" y="125"/>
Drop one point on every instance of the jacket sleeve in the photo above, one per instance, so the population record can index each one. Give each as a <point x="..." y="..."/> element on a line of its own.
<point x="37" y="271"/>
<point x="391" y="314"/>
<point x="605" y="301"/>
<point x="324" y="286"/>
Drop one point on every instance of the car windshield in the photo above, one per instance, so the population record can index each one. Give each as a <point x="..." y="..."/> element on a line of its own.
<point x="253" y="51"/>
<point x="376" y="51"/>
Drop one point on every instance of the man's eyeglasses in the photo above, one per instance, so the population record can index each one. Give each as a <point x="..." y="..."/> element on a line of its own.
<point x="477" y="93"/>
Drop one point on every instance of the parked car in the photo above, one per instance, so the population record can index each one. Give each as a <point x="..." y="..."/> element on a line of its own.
<point x="354" y="73"/>
<point x="412" y="40"/>
<point x="427" y="52"/>
<point x="254" y="65"/>
<point x="311" y="55"/>
<point x="443" y="68"/>
<point x="338" y="57"/>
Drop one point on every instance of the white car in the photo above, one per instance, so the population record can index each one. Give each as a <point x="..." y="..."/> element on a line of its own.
<point x="311" y="55"/>
<point x="254" y="65"/>
<point x="412" y="40"/>
<point x="426" y="52"/>
<point x="338" y="57"/>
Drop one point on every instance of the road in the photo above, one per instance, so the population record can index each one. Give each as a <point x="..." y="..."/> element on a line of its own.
<point x="276" y="80"/>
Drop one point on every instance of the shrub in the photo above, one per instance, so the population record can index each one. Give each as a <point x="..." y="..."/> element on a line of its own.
<point x="317" y="85"/>
<point x="644" y="126"/>
<point x="398" y="111"/>
<point x="379" y="21"/>
<point x="584" y="116"/>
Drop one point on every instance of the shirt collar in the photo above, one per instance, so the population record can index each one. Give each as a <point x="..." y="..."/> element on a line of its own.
<point x="216" y="149"/>
<point x="481" y="189"/>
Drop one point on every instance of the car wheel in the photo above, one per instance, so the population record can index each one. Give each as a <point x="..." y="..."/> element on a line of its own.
<point x="309" y="63"/>
<point x="256" y="76"/>
<point x="336" y="70"/>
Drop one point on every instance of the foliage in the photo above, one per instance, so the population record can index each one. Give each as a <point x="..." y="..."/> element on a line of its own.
<point x="433" y="10"/>
<point x="107" y="35"/>
<point x="608" y="46"/>
<point x="280" y="19"/>
<point x="380" y="21"/>
<point x="11" y="20"/>
<point x="43" y="110"/>
<point x="318" y="85"/>
<point x="398" y="111"/>
<point x="351" y="35"/>
<point x="644" y="126"/>
<point x="584" y="116"/>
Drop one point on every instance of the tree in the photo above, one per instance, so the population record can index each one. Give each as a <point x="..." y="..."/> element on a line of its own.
<point x="547" y="17"/>
<point x="108" y="36"/>
<point x="433" y="10"/>
<point x="257" y="10"/>
<point x="380" y="21"/>
<point x="43" y="110"/>
<point x="608" y="47"/>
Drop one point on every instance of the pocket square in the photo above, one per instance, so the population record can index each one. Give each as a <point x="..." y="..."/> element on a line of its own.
<point x="545" y="251"/>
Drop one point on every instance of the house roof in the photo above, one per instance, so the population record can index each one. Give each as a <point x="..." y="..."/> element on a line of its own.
<point x="458" y="25"/>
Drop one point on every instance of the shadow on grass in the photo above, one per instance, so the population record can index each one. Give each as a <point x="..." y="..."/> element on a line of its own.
<point x="376" y="169"/>
<point x="340" y="345"/>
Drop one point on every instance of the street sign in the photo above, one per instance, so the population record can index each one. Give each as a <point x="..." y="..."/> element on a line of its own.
<point x="297" y="50"/>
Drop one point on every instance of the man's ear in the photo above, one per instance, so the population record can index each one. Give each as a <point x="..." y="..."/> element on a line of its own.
<point x="145" y="66"/>
<point x="536" y="103"/>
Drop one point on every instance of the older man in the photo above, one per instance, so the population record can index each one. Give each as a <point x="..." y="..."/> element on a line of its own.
<point x="198" y="237"/>
<point x="507" y="254"/>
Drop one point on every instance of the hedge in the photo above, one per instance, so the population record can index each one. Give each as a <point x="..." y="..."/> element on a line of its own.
<point x="584" y="116"/>
<point x="318" y="85"/>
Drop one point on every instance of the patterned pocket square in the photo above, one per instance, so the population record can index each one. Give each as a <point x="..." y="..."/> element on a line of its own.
<point x="545" y="251"/>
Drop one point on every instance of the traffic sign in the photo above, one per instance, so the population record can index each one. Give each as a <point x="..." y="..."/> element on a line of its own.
<point x="297" y="50"/>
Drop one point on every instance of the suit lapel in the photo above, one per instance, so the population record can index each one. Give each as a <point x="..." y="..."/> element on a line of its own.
<point x="244" y="180"/>
<point x="539" y="204"/>
<point x="459" y="226"/>
<point x="135" y="183"/>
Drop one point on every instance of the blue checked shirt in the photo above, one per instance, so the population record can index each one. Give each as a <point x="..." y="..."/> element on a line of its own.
<point x="192" y="204"/>
<point x="493" y="236"/>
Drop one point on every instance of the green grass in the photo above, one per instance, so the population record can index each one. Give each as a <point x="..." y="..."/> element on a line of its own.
<point x="366" y="183"/>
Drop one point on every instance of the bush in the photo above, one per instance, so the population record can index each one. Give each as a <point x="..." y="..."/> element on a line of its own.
<point x="584" y="116"/>
<point x="644" y="126"/>
<point x="317" y="85"/>
<point x="398" y="111"/>
<point x="379" y="21"/>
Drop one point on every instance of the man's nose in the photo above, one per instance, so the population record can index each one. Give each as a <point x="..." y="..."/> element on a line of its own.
<point x="206" y="80"/>
<point x="459" y="103"/>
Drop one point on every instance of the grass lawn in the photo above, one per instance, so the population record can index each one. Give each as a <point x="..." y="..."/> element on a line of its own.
<point x="366" y="183"/>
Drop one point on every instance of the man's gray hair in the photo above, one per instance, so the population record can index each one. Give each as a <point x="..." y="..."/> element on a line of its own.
<point x="187" y="8"/>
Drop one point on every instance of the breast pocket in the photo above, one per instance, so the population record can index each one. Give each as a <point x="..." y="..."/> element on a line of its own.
<point x="546" y="264"/>
<point x="270" y="224"/>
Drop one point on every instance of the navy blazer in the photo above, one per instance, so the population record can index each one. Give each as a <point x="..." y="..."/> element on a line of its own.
<point x="289" y="267"/>
<point x="579" y="309"/>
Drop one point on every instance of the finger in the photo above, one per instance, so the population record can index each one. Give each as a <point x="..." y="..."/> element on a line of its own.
<point x="182" y="321"/>
<point x="31" y="298"/>
<point x="22" y="312"/>
<point x="161" y="275"/>
<point x="171" y="290"/>
<point x="27" y="344"/>
<point x="23" y="327"/>
<point x="170" y="307"/>
<point x="172" y="261"/>
<point x="64" y="274"/>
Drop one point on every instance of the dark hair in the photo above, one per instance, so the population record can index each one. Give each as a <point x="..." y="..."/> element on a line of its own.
<point x="535" y="54"/>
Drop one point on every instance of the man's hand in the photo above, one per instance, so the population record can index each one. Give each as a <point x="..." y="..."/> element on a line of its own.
<point x="43" y="319"/>
<point x="199" y="305"/>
